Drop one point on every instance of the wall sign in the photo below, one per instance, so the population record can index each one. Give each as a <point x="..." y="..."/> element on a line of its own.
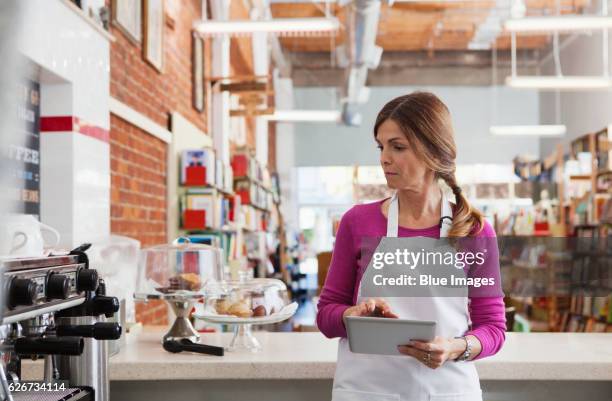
<point x="22" y="156"/>
<point x="127" y="16"/>
<point x="154" y="33"/>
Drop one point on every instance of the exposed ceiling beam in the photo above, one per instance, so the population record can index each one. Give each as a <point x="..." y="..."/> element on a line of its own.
<point x="314" y="60"/>
<point x="415" y="68"/>
<point x="447" y="76"/>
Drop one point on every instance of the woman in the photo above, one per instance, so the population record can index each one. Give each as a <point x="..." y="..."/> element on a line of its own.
<point x="417" y="151"/>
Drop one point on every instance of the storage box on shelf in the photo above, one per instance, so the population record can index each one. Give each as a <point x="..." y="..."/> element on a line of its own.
<point x="252" y="182"/>
<point x="253" y="194"/>
<point x="206" y="197"/>
<point x="210" y="212"/>
<point x="252" y="186"/>
<point x="200" y="168"/>
<point x="207" y="208"/>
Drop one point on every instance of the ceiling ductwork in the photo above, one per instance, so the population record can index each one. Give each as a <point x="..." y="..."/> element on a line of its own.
<point x="358" y="55"/>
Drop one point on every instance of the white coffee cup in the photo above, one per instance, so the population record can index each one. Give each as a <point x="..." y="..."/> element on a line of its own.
<point x="21" y="236"/>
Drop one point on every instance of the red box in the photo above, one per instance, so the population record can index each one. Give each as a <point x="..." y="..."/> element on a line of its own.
<point x="541" y="229"/>
<point x="195" y="175"/>
<point x="194" y="219"/>
<point x="245" y="196"/>
<point x="240" y="165"/>
<point x="232" y="206"/>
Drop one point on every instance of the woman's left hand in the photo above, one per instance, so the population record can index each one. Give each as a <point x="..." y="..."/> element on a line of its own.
<point x="433" y="354"/>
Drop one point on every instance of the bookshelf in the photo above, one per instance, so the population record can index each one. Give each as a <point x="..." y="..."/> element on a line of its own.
<point x="235" y="207"/>
<point x="576" y="298"/>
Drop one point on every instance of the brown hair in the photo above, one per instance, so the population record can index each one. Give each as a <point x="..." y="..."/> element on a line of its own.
<point x="426" y="122"/>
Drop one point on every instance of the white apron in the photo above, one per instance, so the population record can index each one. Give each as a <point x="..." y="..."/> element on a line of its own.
<point x="362" y="377"/>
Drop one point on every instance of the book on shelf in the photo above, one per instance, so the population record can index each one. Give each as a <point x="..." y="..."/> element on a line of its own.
<point x="588" y="325"/>
<point x="219" y="173"/>
<point x="573" y="324"/>
<point x="251" y="193"/>
<point x="600" y="327"/>
<point x="603" y="148"/>
<point x="246" y="166"/>
<point x="254" y="219"/>
<point x="217" y="207"/>
<point x="564" y="321"/>
<point x="226" y="241"/>
<point x="608" y="309"/>
<point x="587" y="306"/>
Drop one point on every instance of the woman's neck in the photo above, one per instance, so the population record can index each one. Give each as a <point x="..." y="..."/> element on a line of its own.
<point x="420" y="205"/>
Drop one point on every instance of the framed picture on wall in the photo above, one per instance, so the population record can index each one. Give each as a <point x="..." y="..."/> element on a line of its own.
<point x="154" y="33"/>
<point x="127" y="16"/>
<point x="198" y="72"/>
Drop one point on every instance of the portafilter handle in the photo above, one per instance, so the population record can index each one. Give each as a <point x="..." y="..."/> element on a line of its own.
<point x="49" y="346"/>
<point x="189" y="346"/>
<point x="98" y="331"/>
<point x="104" y="305"/>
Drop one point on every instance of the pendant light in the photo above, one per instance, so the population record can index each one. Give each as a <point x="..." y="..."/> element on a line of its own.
<point x="556" y="24"/>
<point x="277" y="26"/>
<point x="519" y="130"/>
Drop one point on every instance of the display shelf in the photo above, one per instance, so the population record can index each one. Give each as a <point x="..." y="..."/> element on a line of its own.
<point x="220" y="190"/>
<point x="580" y="177"/>
<point x="224" y="229"/>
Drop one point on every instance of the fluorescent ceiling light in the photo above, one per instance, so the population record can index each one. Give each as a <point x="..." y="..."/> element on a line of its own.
<point x="304" y="116"/>
<point x="528" y="130"/>
<point x="558" y="23"/>
<point x="561" y="83"/>
<point x="279" y="26"/>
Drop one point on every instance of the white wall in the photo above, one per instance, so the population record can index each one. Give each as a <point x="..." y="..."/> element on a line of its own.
<point x="73" y="57"/>
<point x="472" y="109"/>
<point x="581" y="112"/>
<point x="285" y="153"/>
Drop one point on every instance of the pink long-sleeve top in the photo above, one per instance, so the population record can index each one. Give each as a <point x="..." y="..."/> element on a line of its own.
<point x="487" y="314"/>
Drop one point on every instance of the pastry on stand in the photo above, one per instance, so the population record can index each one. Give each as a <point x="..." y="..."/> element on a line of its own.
<point x="244" y="304"/>
<point x="178" y="273"/>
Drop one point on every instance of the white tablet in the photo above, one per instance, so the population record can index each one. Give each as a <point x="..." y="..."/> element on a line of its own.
<point x="381" y="336"/>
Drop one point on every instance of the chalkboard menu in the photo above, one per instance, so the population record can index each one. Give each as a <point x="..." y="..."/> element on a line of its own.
<point x="22" y="157"/>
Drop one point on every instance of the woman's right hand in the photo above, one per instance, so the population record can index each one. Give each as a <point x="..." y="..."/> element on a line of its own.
<point x="371" y="307"/>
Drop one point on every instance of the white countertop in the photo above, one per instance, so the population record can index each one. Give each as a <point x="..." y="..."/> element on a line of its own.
<point x="525" y="356"/>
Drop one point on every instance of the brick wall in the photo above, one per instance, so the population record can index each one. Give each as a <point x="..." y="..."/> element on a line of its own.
<point x="138" y="184"/>
<point x="139" y="85"/>
<point x="138" y="160"/>
<point x="138" y="196"/>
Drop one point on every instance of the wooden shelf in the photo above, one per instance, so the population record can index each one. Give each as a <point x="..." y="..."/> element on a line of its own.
<point x="603" y="172"/>
<point x="224" y="229"/>
<point x="224" y="192"/>
<point x="580" y="177"/>
<point x="253" y="180"/>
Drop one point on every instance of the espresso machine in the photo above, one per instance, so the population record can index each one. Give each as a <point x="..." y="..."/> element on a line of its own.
<point x="55" y="310"/>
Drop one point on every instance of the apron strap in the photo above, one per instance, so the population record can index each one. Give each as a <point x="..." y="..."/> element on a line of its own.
<point x="393" y="217"/>
<point x="446" y="221"/>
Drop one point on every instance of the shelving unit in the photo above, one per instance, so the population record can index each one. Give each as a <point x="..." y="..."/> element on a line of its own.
<point x="212" y="213"/>
<point x="570" y="303"/>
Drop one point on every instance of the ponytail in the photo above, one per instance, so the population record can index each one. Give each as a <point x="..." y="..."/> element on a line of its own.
<point x="467" y="221"/>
